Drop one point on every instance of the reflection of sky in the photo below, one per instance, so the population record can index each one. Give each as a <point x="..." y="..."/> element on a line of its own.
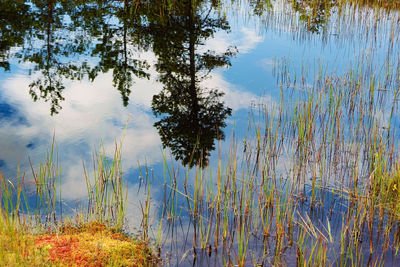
<point x="93" y="112"/>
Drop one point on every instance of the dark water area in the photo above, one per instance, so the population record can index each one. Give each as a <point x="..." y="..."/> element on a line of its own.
<point x="226" y="109"/>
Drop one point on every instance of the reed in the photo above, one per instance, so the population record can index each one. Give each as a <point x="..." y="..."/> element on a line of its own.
<point x="107" y="190"/>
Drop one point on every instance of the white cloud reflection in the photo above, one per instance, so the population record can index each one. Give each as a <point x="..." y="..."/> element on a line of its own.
<point x="245" y="40"/>
<point x="93" y="113"/>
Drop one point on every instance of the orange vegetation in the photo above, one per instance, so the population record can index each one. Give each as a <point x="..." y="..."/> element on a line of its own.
<point x="92" y="244"/>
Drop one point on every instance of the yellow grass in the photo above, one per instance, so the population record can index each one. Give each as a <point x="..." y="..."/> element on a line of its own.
<point x="91" y="244"/>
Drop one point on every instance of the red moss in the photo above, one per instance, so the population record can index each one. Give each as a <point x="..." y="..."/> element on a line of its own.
<point x="74" y="246"/>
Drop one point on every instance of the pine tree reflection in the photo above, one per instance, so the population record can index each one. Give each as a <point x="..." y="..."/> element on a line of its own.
<point x="191" y="117"/>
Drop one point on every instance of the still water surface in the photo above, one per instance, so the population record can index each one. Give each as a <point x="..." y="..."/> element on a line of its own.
<point x="177" y="82"/>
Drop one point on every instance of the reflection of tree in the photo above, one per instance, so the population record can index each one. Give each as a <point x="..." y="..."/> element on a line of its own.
<point x="14" y="24"/>
<point x="117" y="43"/>
<point x="106" y="40"/>
<point x="191" y="117"/>
<point x="102" y="30"/>
<point x="49" y="85"/>
<point x="189" y="129"/>
<point x="51" y="51"/>
<point x="258" y="7"/>
<point x="315" y="13"/>
<point x="63" y="35"/>
<point x="111" y="32"/>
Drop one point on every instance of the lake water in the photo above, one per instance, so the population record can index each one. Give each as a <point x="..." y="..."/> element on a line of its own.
<point x="184" y="84"/>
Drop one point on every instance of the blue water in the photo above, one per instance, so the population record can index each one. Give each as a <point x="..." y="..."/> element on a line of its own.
<point x="93" y="113"/>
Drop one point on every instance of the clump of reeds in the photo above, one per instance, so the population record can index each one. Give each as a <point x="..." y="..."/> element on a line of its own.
<point x="107" y="190"/>
<point x="47" y="179"/>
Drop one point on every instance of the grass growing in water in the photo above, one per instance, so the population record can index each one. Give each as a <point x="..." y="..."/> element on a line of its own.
<point x="94" y="238"/>
<point x="277" y="201"/>
<point x="316" y="183"/>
